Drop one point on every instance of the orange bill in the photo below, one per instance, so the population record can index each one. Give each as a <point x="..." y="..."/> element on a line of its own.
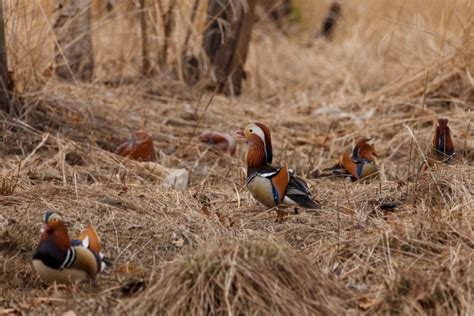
<point x="240" y="134"/>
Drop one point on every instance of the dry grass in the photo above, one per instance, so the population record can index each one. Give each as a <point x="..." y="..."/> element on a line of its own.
<point x="251" y="276"/>
<point x="392" y="69"/>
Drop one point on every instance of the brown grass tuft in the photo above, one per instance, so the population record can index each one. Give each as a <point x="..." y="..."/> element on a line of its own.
<point x="448" y="187"/>
<point x="251" y="276"/>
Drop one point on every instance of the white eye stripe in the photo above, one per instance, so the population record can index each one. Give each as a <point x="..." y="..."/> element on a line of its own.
<point x="259" y="132"/>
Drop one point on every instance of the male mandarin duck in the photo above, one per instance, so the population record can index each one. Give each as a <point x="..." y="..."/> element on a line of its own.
<point x="221" y="141"/>
<point x="268" y="184"/>
<point x="443" y="148"/>
<point x="138" y="147"/>
<point x="361" y="163"/>
<point x="57" y="258"/>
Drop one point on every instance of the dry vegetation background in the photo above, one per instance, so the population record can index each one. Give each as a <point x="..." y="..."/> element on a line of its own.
<point x="391" y="70"/>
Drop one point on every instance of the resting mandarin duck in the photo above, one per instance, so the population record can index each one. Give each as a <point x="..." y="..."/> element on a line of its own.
<point x="268" y="184"/>
<point x="57" y="258"/>
<point x="443" y="148"/>
<point x="361" y="164"/>
<point x="138" y="147"/>
<point x="220" y="141"/>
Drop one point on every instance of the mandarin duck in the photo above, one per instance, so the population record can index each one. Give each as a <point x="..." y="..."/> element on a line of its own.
<point x="268" y="184"/>
<point x="138" y="147"/>
<point x="443" y="148"/>
<point x="57" y="258"/>
<point x="361" y="163"/>
<point x="220" y="141"/>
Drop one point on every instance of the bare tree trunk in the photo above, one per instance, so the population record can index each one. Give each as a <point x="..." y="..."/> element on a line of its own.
<point x="167" y="19"/>
<point x="74" y="55"/>
<point x="277" y="10"/>
<point x="4" y="76"/>
<point x="191" y="66"/>
<point x="329" y="23"/>
<point x="143" y="27"/>
<point x="227" y="39"/>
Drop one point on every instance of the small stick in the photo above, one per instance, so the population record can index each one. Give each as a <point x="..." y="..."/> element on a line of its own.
<point x="167" y="20"/>
<point x="144" y="31"/>
<point x="347" y="197"/>
<point x="409" y="166"/>
<point x="204" y="112"/>
<point x="465" y="139"/>
<point x="43" y="141"/>
<point x="423" y="104"/>
<point x="191" y="23"/>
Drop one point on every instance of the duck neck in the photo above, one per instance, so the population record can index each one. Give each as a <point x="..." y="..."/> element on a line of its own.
<point x="256" y="156"/>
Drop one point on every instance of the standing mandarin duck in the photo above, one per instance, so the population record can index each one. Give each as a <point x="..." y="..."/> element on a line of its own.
<point x="138" y="147"/>
<point x="57" y="258"/>
<point x="443" y="148"/>
<point x="268" y="184"/>
<point x="220" y="141"/>
<point x="361" y="163"/>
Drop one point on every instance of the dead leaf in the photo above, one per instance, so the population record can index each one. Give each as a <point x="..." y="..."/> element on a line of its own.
<point x="365" y="303"/>
<point x="177" y="179"/>
<point x="8" y="311"/>
<point x="3" y="228"/>
<point x="133" y="287"/>
<point x="177" y="241"/>
<point x="50" y="173"/>
<point x="128" y="268"/>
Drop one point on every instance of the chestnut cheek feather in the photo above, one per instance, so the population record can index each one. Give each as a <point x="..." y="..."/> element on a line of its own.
<point x="255" y="155"/>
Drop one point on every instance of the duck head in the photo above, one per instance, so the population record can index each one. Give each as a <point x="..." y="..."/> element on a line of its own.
<point x="260" y="144"/>
<point x="55" y="232"/>
<point x="364" y="150"/>
<point x="139" y="147"/>
<point x="224" y="142"/>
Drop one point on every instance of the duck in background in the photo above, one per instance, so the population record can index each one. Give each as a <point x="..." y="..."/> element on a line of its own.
<point x="443" y="148"/>
<point x="220" y="141"/>
<point x="360" y="164"/>
<point x="57" y="258"/>
<point x="138" y="147"/>
<point x="268" y="184"/>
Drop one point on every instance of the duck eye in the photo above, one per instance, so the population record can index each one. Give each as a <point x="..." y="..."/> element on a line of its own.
<point x="250" y="130"/>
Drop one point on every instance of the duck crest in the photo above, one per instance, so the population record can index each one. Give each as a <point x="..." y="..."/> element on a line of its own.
<point x="267" y="142"/>
<point x="363" y="150"/>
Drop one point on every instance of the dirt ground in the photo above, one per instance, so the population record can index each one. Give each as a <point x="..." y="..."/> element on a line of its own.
<point x="390" y="71"/>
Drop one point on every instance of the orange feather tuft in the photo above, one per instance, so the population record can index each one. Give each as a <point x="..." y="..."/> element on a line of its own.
<point x="280" y="181"/>
<point x="94" y="243"/>
<point x="348" y="164"/>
